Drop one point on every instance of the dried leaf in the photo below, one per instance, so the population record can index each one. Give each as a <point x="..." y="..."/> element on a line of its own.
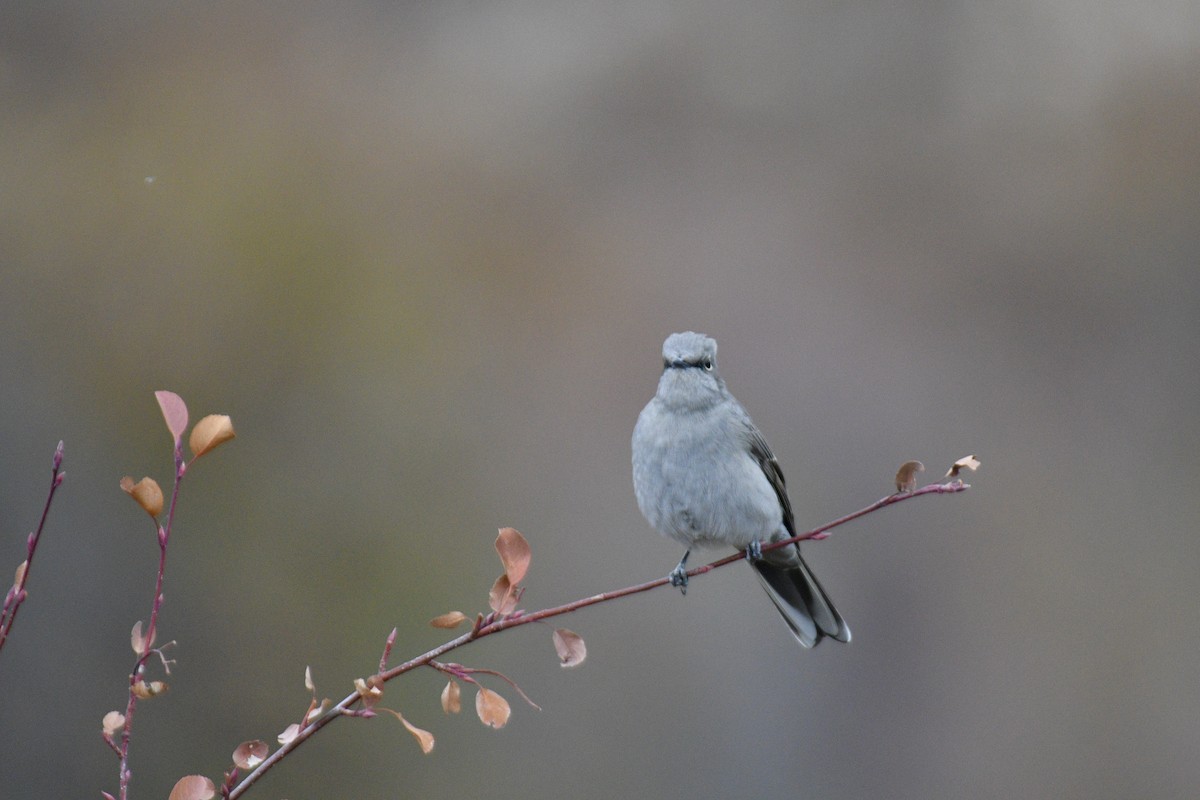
<point x="193" y="787"/>
<point x="213" y="430"/>
<point x="113" y="721"/>
<point x="424" y="738"/>
<point x="144" y="691"/>
<point x="249" y="755"/>
<point x="146" y="493"/>
<point x="452" y="698"/>
<point x="317" y="710"/>
<point x="308" y="681"/>
<point x="966" y="462"/>
<point x="450" y="620"/>
<point x="174" y="411"/>
<point x="570" y="647"/>
<point x="137" y="641"/>
<point x="20" y="573"/>
<point x="906" y="476"/>
<point x="369" y="690"/>
<point x="493" y="710"/>
<point x="514" y="554"/>
<point x="289" y="733"/>
<point x="503" y="596"/>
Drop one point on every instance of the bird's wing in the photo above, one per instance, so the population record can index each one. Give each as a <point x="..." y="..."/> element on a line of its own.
<point x="760" y="451"/>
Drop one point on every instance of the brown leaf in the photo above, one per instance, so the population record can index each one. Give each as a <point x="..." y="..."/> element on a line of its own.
<point x="144" y="691"/>
<point x="174" y="411"/>
<point x="493" y="710"/>
<point x="370" y="690"/>
<point x="424" y="738"/>
<point x="145" y="493"/>
<point x="514" y="554"/>
<point x="966" y="462"/>
<point x="452" y="698"/>
<point x="113" y="721"/>
<point x="906" y="476"/>
<point x="193" y="787"/>
<point x="213" y="430"/>
<point x="450" y="620"/>
<point x="137" y="641"/>
<point x="503" y="597"/>
<point x="570" y="647"/>
<point x="289" y="733"/>
<point x="249" y="755"/>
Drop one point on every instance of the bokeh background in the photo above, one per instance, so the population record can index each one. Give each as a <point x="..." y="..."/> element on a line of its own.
<point x="425" y="255"/>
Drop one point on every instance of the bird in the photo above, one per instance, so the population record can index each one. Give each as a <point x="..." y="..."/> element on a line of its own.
<point x="704" y="475"/>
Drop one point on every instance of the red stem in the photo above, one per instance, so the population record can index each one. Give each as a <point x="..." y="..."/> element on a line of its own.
<point x="163" y="535"/>
<point x="17" y="595"/>
<point x="518" y="618"/>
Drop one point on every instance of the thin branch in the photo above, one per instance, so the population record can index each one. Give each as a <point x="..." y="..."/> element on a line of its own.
<point x="139" y="668"/>
<point x="17" y="594"/>
<point x="492" y="626"/>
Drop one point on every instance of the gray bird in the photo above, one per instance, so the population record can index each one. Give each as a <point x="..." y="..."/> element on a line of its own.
<point x="704" y="475"/>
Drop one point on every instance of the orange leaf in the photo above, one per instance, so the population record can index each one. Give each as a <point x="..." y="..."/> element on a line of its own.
<point x="249" y="755"/>
<point x="209" y="432"/>
<point x="113" y="721"/>
<point x="450" y="620"/>
<point x="193" y="787"/>
<point x="570" y="647"/>
<point x="137" y="641"/>
<point x="514" y="554"/>
<point x="145" y="493"/>
<point x="424" y="738"/>
<point x="493" y="710"/>
<point x="503" y="597"/>
<point x="966" y="462"/>
<point x="451" y="698"/>
<point x="906" y="476"/>
<point x="174" y="411"/>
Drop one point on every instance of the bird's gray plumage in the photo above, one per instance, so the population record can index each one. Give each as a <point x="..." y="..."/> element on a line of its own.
<point x="703" y="474"/>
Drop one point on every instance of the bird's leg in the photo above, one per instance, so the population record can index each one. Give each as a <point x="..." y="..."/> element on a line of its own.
<point x="678" y="575"/>
<point x="754" y="551"/>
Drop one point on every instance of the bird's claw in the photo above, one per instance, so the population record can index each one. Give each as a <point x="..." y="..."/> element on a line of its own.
<point x="679" y="578"/>
<point x="754" y="551"/>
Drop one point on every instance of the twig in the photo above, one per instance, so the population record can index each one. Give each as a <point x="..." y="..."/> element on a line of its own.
<point x="496" y="625"/>
<point x="139" y="667"/>
<point x="17" y="594"/>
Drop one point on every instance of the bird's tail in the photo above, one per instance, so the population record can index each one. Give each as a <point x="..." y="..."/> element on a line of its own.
<point x="802" y="602"/>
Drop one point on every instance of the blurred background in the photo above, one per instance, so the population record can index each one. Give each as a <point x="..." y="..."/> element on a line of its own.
<point x="425" y="256"/>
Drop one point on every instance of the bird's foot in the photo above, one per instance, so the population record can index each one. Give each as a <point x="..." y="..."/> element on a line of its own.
<point x="754" y="551"/>
<point x="679" y="575"/>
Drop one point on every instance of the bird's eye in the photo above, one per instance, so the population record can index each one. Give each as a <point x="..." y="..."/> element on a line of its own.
<point x="707" y="364"/>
